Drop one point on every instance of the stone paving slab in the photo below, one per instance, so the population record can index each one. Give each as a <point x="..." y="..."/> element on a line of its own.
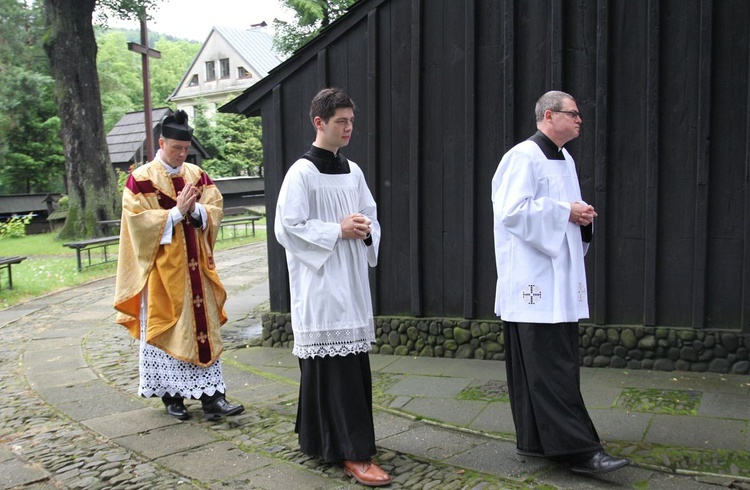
<point x="600" y="396"/>
<point x="283" y="477"/>
<point x="214" y="462"/>
<point x="429" y="386"/>
<point x="708" y="434"/>
<point x="432" y="366"/>
<point x="14" y="474"/>
<point x="431" y="442"/>
<point x="42" y="380"/>
<point x="387" y="424"/>
<point x="62" y="358"/>
<point x="51" y="344"/>
<point x="620" y="425"/>
<point x="724" y="405"/>
<point x="92" y="408"/>
<point x="268" y="392"/>
<point x="129" y="423"/>
<point x="498" y="458"/>
<point x="476" y="369"/>
<point x="454" y="412"/>
<point x="496" y="417"/>
<point x="68" y="393"/>
<point x="167" y="440"/>
<point x="275" y="358"/>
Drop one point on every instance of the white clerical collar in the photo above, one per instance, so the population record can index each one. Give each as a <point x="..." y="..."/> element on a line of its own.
<point x="170" y="170"/>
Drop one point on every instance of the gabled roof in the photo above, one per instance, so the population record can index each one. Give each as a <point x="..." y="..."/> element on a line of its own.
<point x="129" y="135"/>
<point x="254" y="46"/>
<point x="24" y="203"/>
<point x="247" y="102"/>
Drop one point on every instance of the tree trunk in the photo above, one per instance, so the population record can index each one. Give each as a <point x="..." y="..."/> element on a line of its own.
<point x="92" y="185"/>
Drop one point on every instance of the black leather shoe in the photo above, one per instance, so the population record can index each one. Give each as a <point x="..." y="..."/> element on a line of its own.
<point x="176" y="407"/>
<point x="220" y="407"/>
<point x="600" y="462"/>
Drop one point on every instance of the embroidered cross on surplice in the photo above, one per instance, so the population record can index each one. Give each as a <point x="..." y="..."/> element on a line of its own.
<point x="530" y="294"/>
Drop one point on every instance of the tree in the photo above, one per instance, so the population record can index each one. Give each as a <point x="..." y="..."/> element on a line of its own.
<point x="31" y="155"/>
<point x="310" y="17"/>
<point x="32" y="158"/>
<point x="70" y="45"/>
<point x="120" y="76"/>
<point x="234" y="142"/>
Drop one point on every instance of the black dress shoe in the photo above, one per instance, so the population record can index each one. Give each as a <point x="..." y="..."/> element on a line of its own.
<point x="176" y="407"/>
<point x="600" y="462"/>
<point x="220" y="407"/>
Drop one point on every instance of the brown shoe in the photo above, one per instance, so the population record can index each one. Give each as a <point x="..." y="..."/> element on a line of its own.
<point x="367" y="473"/>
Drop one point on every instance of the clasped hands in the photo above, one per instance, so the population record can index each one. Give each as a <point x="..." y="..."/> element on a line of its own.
<point x="355" y="226"/>
<point x="187" y="198"/>
<point x="581" y="214"/>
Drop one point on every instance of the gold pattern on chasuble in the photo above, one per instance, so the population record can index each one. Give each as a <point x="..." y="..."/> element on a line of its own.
<point x="197" y="301"/>
<point x="202" y="337"/>
<point x="193" y="264"/>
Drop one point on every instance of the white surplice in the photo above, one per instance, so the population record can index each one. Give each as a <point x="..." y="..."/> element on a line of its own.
<point x="538" y="251"/>
<point x="329" y="285"/>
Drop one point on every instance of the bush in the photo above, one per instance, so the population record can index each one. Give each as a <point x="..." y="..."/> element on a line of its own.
<point x="15" y="226"/>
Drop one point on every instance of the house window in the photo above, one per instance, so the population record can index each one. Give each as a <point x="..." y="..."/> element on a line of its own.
<point x="210" y="70"/>
<point x="242" y="73"/>
<point x="224" y="67"/>
<point x="193" y="81"/>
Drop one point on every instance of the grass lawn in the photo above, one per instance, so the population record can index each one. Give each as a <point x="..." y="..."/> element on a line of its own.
<point x="50" y="266"/>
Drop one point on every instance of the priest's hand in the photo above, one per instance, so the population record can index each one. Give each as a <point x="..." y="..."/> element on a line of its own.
<point x="355" y="226"/>
<point x="581" y="214"/>
<point x="186" y="198"/>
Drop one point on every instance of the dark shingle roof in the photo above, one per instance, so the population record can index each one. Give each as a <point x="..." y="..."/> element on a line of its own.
<point x="129" y="134"/>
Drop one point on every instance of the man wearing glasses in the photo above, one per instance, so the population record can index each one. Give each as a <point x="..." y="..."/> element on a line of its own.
<point x="542" y="228"/>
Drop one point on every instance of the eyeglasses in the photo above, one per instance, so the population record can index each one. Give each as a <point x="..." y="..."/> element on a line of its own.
<point x="572" y="114"/>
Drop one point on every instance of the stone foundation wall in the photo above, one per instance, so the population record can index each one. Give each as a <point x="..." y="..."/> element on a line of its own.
<point x="622" y="347"/>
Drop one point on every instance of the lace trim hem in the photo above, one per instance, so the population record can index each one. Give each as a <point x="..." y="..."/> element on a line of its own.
<point x="307" y="351"/>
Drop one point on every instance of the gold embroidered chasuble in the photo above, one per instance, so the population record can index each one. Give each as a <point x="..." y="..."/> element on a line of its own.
<point x="185" y="297"/>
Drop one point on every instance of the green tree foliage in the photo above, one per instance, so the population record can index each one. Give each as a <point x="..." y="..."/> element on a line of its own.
<point x="167" y="71"/>
<point x="310" y="17"/>
<point x="31" y="153"/>
<point x="234" y="142"/>
<point x="32" y="159"/>
<point x="121" y="77"/>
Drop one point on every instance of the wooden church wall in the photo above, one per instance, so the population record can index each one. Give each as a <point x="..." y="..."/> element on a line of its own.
<point x="444" y="88"/>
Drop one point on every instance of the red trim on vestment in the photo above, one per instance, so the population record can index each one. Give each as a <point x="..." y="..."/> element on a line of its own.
<point x="196" y="285"/>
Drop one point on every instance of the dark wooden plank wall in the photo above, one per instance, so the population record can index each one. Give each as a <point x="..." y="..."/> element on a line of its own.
<point x="444" y="88"/>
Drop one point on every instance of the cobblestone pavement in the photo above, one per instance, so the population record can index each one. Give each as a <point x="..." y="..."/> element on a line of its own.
<point x="71" y="417"/>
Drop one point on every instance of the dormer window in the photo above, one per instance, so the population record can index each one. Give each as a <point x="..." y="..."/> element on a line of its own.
<point x="210" y="70"/>
<point x="243" y="73"/>
<point x="193" y="81"/>
<point x="224" y="67"/>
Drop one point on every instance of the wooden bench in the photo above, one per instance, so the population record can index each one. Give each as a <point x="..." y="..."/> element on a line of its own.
<point x="242" y="221"/>
<point x="110" y="224"/>
<point x="6" y="263"/>
<point x="92" y="244"/>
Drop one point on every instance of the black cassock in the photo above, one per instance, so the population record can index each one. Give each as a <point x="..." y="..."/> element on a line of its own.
<point x="544" y="382"/>
<point x="334" y="411"/>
